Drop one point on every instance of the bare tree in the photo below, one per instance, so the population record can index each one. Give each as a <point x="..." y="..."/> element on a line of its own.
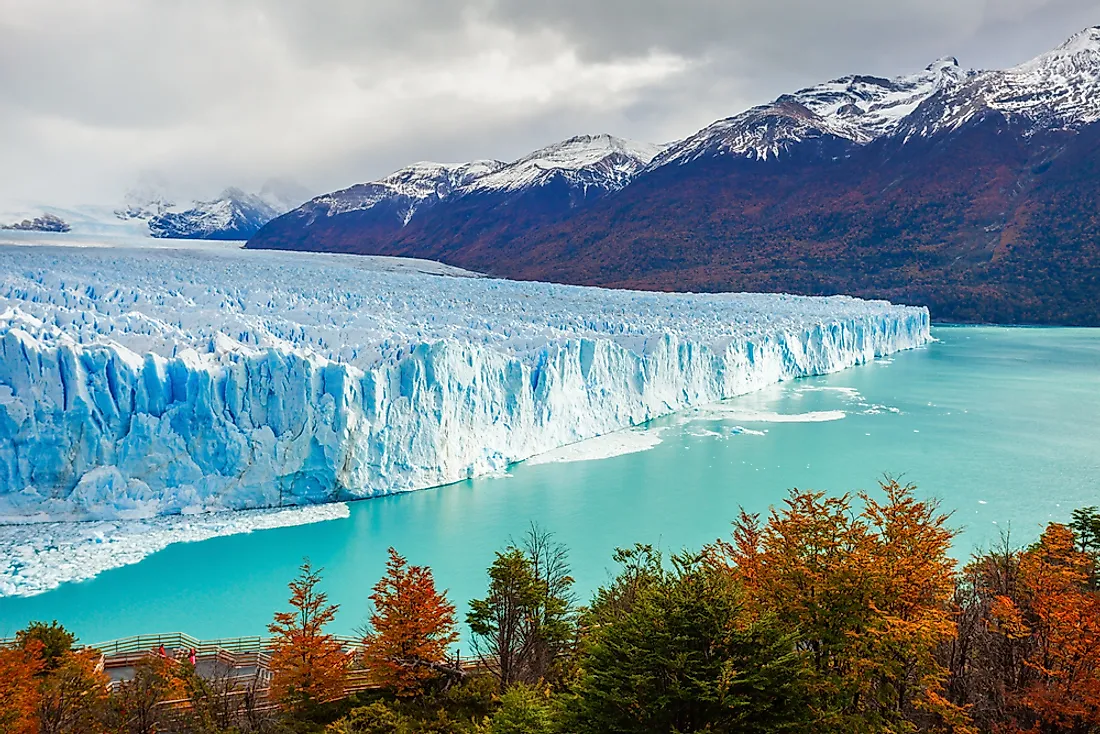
<point x="552" y="626"/>
<point x="528" y="617"/>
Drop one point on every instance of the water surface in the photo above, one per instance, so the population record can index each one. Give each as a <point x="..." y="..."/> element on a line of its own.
<point x="1002" y="425"/>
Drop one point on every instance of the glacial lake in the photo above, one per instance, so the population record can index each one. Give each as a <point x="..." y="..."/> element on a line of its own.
<point x="1002" y="425"/>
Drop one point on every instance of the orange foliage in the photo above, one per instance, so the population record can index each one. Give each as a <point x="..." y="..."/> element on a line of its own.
<point x="307" y="665"/>
<point x="73" y="694"/>
<point x="1063" y="615"/>
<point x="868" y="594"/>
<point x="19" y="689"/>
<point x="412" y="627"/>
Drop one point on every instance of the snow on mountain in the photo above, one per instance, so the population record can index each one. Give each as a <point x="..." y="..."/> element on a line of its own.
<point x="145" y="201"/>
<point x="603" y="162"/>
<point x="853" y="108"/>
<point x="1060" y="88"/>
<point x="143" y="382"/>
<point x="232" y="215"/>
<point x="599" y="163"/>
<point x="406" y="189"/>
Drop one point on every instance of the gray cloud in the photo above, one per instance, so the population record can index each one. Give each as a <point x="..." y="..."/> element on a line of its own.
<point x="207" y="93"/>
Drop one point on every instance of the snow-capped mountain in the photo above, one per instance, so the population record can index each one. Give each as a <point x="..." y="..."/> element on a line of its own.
<point x="852" y="109"/>
<point x="972" y="191"/>
<point x="590" y="164"/>
<point x="404" y="191"/>
<point x="232" y="215"/>
<point x="1060" y="88"/>
<point x="144" y="202"/>
<point x="434" y="201"/>
<point x="599" y="163"/>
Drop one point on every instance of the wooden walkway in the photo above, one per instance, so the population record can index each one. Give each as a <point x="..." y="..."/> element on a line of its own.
<point x="241" y="663"/>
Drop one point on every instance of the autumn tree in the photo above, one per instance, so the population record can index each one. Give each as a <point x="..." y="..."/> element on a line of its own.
<point x="1058" y="612"/>
<point x="135" y="707"/>
<point x="308" y="666"/>
<point x="19" y="668"/>
<point x="410" y="630"/>
<point x="868" y="592"/>
<point x="913" y="581"/>
<point x="73" y="695"/>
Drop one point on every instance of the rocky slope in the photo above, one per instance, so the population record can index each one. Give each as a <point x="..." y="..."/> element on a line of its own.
<point x="44" y="223"/>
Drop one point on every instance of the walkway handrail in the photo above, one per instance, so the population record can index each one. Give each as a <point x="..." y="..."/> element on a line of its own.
<point x="181" y="640"/>
<point x="176" y="641"/>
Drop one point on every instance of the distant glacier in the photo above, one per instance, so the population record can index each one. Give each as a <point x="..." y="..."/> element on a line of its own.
<point x="137" y="382"/>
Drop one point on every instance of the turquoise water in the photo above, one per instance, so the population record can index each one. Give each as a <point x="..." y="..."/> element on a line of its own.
<point x="1002" y="425"/>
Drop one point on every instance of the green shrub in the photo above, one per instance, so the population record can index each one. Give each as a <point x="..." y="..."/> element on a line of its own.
<point x="523" y="710"/>
<point x="377" y="718"/>
<point x="56" y="641"/>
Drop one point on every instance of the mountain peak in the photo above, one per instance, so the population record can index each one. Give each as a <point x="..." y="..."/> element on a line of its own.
<point x="946" y="62"/>
<point x="1080" y="54"/>
<point x="1084" y="41"/>
<point x="579" y="150"/>
<point x="1059" y="88"/>
<point x="603" y="161"/>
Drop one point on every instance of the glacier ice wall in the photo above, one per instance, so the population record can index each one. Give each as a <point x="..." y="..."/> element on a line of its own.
<point x="141" y="382"/>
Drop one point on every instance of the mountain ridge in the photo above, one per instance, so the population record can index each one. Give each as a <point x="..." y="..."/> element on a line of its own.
<point x="932" y="187"/>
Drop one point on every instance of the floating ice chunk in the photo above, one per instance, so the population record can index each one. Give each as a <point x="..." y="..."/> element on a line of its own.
<point x="602" y="447"/>
<point x="731" y="412"/>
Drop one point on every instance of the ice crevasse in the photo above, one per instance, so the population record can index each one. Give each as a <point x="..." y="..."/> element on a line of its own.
<point x="140" y="382"/>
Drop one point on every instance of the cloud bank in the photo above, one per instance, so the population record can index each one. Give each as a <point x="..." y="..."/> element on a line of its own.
<point x="204" y="94"/>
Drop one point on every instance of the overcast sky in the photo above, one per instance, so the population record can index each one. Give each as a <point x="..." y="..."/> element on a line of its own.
<point x="96" y="96"/>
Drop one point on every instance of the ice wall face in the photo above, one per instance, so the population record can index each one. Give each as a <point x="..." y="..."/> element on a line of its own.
<point x="143" y="382"/>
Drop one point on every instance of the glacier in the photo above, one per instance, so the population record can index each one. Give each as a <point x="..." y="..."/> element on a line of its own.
<point x="138" y="382"/>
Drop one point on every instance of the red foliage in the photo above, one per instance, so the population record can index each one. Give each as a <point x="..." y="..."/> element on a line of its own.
<point x="411" y="628"/>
